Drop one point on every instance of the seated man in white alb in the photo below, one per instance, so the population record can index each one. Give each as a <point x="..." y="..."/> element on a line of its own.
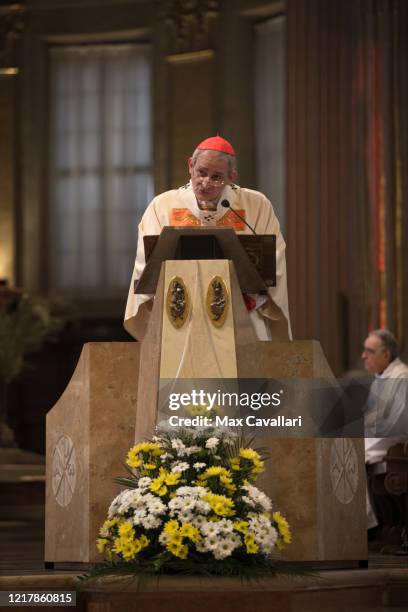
<point x="213" y="171"/>
<point x="386" y="413"/>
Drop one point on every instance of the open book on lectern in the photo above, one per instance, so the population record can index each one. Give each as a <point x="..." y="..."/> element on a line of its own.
<point x="254" y="256"/>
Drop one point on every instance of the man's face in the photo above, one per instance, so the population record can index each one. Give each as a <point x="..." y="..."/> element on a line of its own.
<point x="209" y="175"/>
<point x="376" y="359"/>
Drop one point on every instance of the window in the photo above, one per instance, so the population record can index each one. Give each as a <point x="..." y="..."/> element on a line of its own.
<point x="270" y="111"/>
<point x="100" y="164"/>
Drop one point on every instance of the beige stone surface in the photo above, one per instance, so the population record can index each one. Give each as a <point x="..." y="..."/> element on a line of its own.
<point x="198" y="349"/>
<point x="89" y="431"/>
<point x="149" y="371"/>
<point x="310" y="480"/>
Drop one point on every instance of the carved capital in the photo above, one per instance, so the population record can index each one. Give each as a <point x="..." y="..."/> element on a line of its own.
<point x="190" y="24"/>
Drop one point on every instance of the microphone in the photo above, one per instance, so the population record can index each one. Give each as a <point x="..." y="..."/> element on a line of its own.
<point x="226" y="204"/>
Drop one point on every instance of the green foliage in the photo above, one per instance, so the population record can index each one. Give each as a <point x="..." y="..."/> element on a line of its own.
<point x="24" y="327"/>
<point x="258" y="567"/>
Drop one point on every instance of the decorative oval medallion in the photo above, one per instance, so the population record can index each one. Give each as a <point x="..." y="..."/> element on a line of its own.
<point x="177" y="302"/>
<point x="217" y="301"/>
<point x="64" y="470"/>
<point x="344" y="469"/>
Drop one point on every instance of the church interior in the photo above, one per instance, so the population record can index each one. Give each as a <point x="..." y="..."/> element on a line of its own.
<point x="102" y="103"/>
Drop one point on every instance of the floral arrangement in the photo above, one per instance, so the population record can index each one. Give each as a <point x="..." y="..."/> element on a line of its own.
<point x="191" y="505"/>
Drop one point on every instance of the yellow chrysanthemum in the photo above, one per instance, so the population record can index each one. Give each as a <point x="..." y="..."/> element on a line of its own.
<point x="258" y="467"/>
<point x="122" y="544"/>
<point x="171" y="527"/>
<point x="221" y="505"/>
<point x="189" y="531"/>
<point x="130" y="549"/>
<point x="102" y="544"/>
<point x="149" y="447"/>
<point x="176" y="538"/>
<point x="144" y="541"/>
<point x="241" y="526"/>
<point x="251" y="547"/>
<point x="248" y="453"/>
<point x="150" y="466"/>
<point x="283" y="527"/>
<point x="126" y="530"/>
<point x="178" y="550"/>
<point x="215" y="471"/>
<point x="107" y="525"/>
<point x="172" y="479"/>
<point x="156" y="484"/>
<point x="235" y="464"/>
<point x="133" y="460"/>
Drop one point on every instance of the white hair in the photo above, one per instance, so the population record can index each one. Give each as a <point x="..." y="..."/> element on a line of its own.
<point x="388" y="341"/>
<point x="230" y="159"/>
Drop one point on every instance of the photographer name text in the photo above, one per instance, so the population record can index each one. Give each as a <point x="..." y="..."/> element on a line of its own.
<point x="225" y="421"/>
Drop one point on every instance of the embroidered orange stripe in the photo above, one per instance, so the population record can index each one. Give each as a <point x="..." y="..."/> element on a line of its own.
<point x="183" y="217"/>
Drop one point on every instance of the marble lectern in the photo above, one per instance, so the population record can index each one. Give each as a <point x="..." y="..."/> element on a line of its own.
<point x="319" y="484"/>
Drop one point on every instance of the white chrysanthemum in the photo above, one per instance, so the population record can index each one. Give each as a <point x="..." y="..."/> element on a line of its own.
<point x="198" y="520"/>
<point x="190" y="450"/>
<point x="199" y="465"/>
<point x="138" y="503"/>
<point x="151" y="522"/>
<point x="139" y="513"/>
<point x="225" y="526"/>
<point x="191" y="491"/>
<point x="113" y="508"/>
<point x="185" y="516"/>
<point x="248" y="501"/>
<point x="212" y="443"/>
<point x="144" y="482"/>
<point x="201" y="547"/>
<point x="258" y="497"/>
<point x="188" y="502"/>
<point x="265" y="534"/>
<point x="209" y="528"/>
<point x="224" y="549"/>
<point x="179" y="446"/>
<point x="180" y="466"/>
<point x="218" y="539"/>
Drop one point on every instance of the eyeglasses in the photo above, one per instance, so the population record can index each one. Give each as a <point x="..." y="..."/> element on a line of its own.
<point x="371" y="351"/>
<point x="216" y="180"/>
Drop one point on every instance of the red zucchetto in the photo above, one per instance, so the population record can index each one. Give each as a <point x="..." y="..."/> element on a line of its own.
<point x="216" y="143"/>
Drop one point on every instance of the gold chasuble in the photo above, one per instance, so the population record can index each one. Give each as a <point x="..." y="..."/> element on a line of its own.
<point x="183" y="217"/>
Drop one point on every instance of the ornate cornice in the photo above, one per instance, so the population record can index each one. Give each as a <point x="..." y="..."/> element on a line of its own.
<point x="190" y="24"/>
